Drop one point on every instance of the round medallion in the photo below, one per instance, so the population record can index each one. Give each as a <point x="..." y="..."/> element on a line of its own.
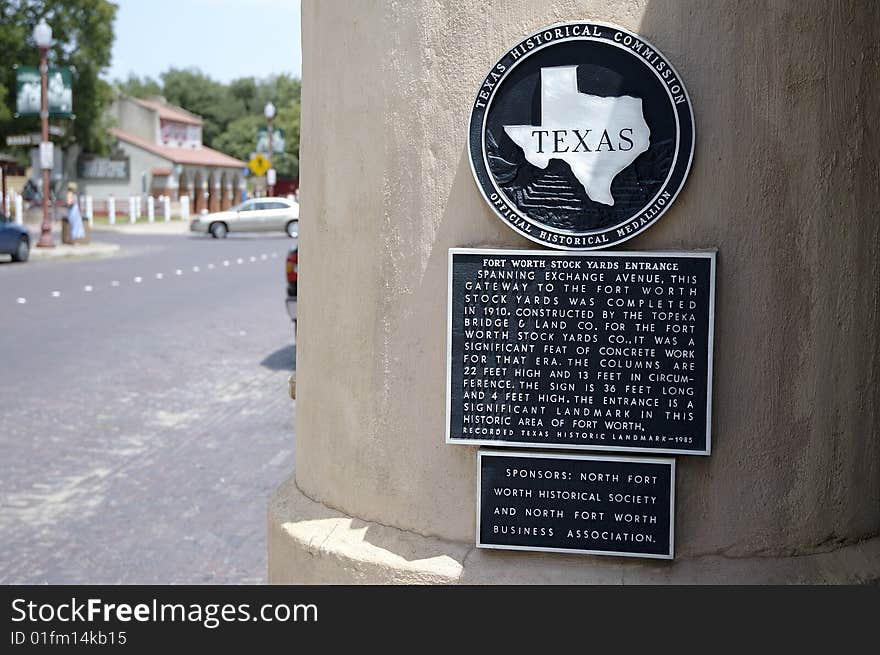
<point x="581" y="136"/>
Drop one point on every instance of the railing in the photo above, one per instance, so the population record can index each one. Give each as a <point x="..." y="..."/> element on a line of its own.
<point x="115" y="210"/>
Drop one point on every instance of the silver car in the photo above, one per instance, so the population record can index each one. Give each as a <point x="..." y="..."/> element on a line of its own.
<point x="254" y="215"/>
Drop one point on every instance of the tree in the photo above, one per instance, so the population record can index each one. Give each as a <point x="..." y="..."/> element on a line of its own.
<point x="82" y="31"/>
<point x="239" y="138"/>
<point x="287" y="164"/>
<point x="138" y="87"/>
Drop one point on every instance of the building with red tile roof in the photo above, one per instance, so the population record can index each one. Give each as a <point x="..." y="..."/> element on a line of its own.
<point x="164" y="154"/>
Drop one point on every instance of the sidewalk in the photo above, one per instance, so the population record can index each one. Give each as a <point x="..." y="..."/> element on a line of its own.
<point x="158" y="227"/>
<point x="94" y="249"/>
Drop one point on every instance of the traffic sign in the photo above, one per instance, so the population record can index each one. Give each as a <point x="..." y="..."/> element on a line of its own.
<point x="259" y="165"/>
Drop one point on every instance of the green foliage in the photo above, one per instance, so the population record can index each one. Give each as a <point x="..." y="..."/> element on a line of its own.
<point x="82" y="31"/>
<point x="287" y="119"/>
<point x="232" y="112"/>
<point x="138" y="87"/>
<point x="240" y="136"/>
<point x="83" y="40"/>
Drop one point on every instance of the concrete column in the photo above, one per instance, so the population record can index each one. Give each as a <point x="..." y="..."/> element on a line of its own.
<point x="214" y="196"/>
<point x="184" y="208"/>
<point x="784" y="184"/>
<point x="19" y="209"/>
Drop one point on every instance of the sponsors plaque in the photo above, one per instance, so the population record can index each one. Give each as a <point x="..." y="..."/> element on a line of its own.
<point x="581" y="136"/>
<point x="602" y="351"/>
<point x="587" y="504"/>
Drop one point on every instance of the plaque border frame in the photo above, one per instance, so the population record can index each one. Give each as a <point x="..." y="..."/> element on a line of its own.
<point x="711" y="254"/>
<point x="493" y="452"/>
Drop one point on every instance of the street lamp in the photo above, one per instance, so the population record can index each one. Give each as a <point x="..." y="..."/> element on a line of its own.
<point x="43" y="39"/>
<point x="269" y="111"/>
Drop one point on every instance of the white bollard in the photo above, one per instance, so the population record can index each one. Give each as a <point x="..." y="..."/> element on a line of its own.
<point x="151" y="209"/>
<point x="132" y="216"/>
<point x="184" y="208"/>
<point x="90" y="210"/>
<point x="19" y="210"/>
<point x="166" y="208"/>
<point x="111" y="210"/>
<point x="7" y="201"/>
<point x="138" y="206"/>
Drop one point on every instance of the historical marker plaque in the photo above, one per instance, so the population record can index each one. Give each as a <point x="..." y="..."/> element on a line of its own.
<point x="595" y="505"/>
<point x="581" y="135"/>
<point x="601" y="351"/>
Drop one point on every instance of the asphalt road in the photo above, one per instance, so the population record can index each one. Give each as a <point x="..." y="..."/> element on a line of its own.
<point x="144" y="414"/>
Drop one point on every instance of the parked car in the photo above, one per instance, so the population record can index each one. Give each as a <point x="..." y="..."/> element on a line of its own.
<point x="14" y="239"/>
<point x="292" y="274"/>
<point x="254" y="215"/>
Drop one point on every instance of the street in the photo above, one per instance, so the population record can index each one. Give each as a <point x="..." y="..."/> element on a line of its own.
<point x="144" y="411"/>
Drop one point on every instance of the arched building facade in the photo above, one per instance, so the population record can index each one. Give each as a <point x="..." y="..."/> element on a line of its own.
<point x="163" y="146"/>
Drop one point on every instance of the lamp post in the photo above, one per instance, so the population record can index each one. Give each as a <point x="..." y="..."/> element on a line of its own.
<point x="43" y="39"/>
<point x="269" y="111"/>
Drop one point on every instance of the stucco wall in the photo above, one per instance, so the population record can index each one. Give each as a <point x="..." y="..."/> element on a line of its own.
<point x="140" y="162"/>
<point x="136" y="119"/>
<point x="784" y="184"/>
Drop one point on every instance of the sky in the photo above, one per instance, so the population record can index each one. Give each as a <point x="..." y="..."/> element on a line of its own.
<point x="226" y="39"/>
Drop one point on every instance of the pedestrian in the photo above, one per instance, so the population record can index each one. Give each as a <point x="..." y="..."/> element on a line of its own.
<point x="74" y="216"/>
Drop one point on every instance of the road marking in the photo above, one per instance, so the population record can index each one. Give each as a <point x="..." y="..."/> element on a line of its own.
<point x="159" y="276"/>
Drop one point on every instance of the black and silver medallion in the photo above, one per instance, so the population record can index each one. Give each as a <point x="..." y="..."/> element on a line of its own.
<point x="581" y="136"/>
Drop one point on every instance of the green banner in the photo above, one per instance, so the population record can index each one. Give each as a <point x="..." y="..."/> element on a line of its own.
<point x="263" y="140"/>
<point x="28" y="89"/>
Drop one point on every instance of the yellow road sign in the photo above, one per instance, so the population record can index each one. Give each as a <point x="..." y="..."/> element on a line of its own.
<point x="259" y="165"/>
